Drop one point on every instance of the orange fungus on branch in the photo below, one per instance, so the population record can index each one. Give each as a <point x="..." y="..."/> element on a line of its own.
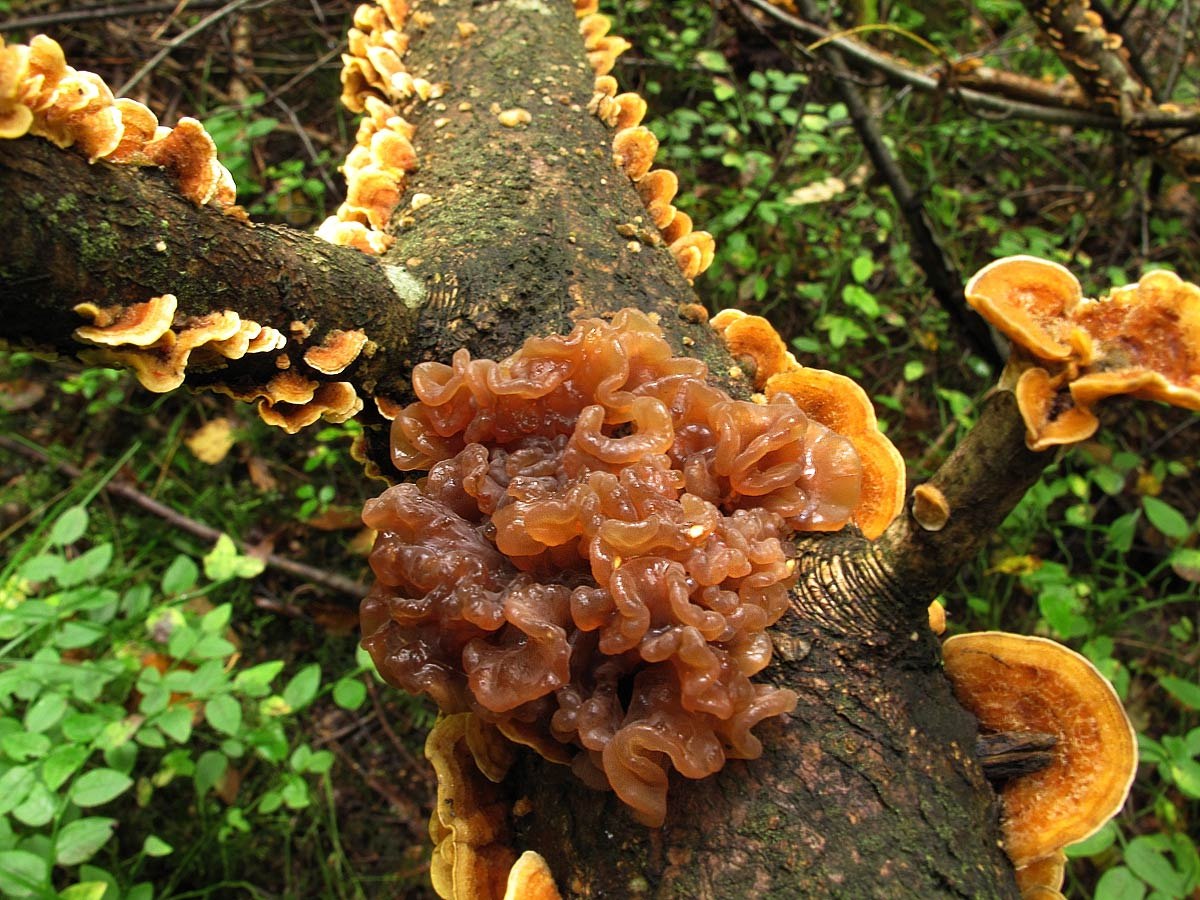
<point x="600" y="543"/>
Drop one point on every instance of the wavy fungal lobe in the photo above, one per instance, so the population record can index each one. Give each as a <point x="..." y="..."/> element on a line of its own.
<point x="598" y="547"/>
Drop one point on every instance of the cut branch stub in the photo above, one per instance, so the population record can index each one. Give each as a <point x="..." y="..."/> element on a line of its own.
<point x="1070" y="352"/>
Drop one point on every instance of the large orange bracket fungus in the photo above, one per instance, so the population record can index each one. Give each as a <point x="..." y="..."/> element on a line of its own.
<point x="1070" y="352"/>
<point x="1014" y="683"/>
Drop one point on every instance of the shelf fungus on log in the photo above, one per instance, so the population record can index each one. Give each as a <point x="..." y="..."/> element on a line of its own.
<point x="598" y="547"/>
<point x="1031" y="684"/>
<point x="634" y="146"/>
<point x="376" y="82"/>
<point x="1070" y="352"/>
<point x="833" y="400"/>
<point x="41" y="95"/>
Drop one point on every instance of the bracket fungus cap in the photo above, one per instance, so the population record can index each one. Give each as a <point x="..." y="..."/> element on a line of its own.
<point x="1017" y="683"/>
<point x="1025" y="298"/>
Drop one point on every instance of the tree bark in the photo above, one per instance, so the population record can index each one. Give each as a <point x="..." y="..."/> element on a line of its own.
<point x="870" y="788"/>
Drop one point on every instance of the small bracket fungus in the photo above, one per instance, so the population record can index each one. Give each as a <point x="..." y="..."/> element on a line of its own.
<point x="600" y="543"/>
<point x="530" y="879"/>
<point x="337" y="351"/>
<point x="1015" y="683"/>
<point x="1070" y="352"/>
<point x="140" y="324"/>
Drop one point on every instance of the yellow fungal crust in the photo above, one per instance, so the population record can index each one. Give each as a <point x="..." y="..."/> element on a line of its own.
<point x="41" y="95"/>
<point x="338" y="350"/>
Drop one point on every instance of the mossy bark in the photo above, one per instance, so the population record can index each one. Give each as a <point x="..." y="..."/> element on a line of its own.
<point x="869" y="789"/>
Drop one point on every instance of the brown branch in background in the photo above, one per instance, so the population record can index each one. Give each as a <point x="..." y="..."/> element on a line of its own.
<point x="1103" y="67"/>
<point x="100" y="13"/>
<point x="974" y="99"/>
<point x="940" y="271"/>
<point x="308" y="574"/>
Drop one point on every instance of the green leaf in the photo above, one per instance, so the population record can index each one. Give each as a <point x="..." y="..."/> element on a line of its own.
<point x="69" y="527"/>
<point x="1152" y="866"/>
<point x="45" y="712"/>
<point x="712" y="60"/>
<point x="1121" y="531"/>
<point x="1118" y="883"/>
<point x="73" y="635"/>
<point x="210" y="768"/>
<point x="320" y="762"/>
<point x="295" y="792"/>
<point x="913" y="369"/>
<point x="87" y="567"/>
<point x="181" y="576"/>
<point x="15" y="785"/>
<point x="176" y="723"/>
<point x="1185" y="561"/>
<point x="256" y="681"/>
<point x="216" y="619"/>
<point x="61" y="763"/>
<point x="224" y="562"/>
<point x="42" y="568"/>
<point x="1186" y="775"/>
<point x="22" y="872"/>
<point x="22" y="745"/>
<point x="156" y="846"/>
<point x="79" y="841"/>
<point x="1165" y="518"/>
<point x="301" y="690"/>
<point x="349" y="693"/>
<point x="38" y="808"/>
<point x="98" y="787"/>
<point x="1186" y="692"/>
<point x="862" y="268"/>
<point x="84" y="890"/>
<point x="224" y="713"/>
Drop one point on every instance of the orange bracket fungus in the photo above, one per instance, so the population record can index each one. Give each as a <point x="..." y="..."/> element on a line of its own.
<point x="1015" y="683"/>
<point x="598" y="547"/>
<point x="833" y="400"/>
<point x="1070" y="352"/>
<point x="634" y="146"/>
<point x="41" y="95"/>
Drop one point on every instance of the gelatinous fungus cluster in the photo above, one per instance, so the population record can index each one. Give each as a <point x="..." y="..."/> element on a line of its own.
<point x="634" y="145"/>
<point x="597" y="548"/>
<point x="41" y="95"/>
<point x="376" y="81"/>
<point x="1070" y="352"/>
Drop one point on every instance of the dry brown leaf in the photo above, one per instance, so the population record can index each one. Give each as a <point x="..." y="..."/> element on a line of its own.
<point x="260" y="474"/>
<point x="20" y="393"/>
<point x="335" y="518"/>
<point x="212" y="441"/>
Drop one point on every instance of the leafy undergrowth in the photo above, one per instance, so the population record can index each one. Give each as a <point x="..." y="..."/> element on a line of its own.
<point x="181" y="723"/>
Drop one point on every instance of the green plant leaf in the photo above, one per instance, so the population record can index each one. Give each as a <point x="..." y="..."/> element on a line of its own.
<point x="22" y="872"/>
<point x="45" y="712"/>
<point x="1186" y="692"/>
<point x="216" y="619"/>
<point x="61" y="763"/>
<point x="224" y="714"/>
<point x="256" y="681"/>
<point x="1165" y="518"/>
<point x="156" y="846"/>
<point x="1148" y="863"/>
<point x="176" y="723"/>
<point x="349" y="693"/>
<point x="713" y="60"/>
<point x="1097" y="843"/>
<point x="84" y="890"/>
<point x="1118" y="883"/>
<point x="69" y="527"/>
<point x="43" y="567"/>
<point x="87" y="566"/>
<point x="98" y="787"/>
<point x="38" y="807"/>
<point x="181" y="576"/>
<point x="301" y="690"/>
<point x="224" y="562"/>
<point x="210" y="768"/>
<point x="78" y="842"/>
<point x="15" y="785"/>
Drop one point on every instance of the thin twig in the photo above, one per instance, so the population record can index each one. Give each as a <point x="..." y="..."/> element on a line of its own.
<point x="940" y="271"/>
<point x="180" y="39"/>
<point x="199" y="530"/>
<point x="1012" y="108"/>
<point x="99" y="13"/>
